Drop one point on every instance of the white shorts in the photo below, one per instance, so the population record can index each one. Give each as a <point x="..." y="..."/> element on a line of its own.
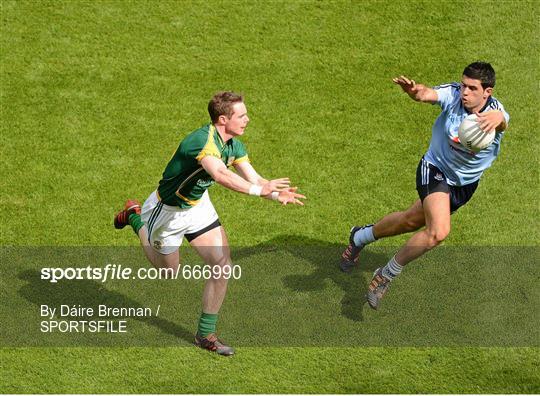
<point x="167" y="225"/>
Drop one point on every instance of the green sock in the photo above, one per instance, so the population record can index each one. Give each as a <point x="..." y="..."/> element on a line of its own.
<point x="207" y="324"/>
<point x="135" y="222"/>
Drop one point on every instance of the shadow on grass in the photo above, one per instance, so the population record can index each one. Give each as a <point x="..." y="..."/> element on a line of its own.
<point x="89" y="293"/>
<point x="324" y="257"/>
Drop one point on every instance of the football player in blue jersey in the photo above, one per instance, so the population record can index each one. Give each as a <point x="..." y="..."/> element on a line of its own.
<point x="446" y="177"/>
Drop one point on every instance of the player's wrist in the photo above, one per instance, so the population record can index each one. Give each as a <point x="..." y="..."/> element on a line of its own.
<point x="255" y="190"/>
<point x="273" y="196"/>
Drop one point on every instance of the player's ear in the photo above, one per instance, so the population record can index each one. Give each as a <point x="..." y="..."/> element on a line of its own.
<point x="222" y="119"/>
<point x="487" y="92"/>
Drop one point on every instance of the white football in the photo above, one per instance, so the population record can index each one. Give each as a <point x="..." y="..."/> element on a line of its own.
<point x="471" y="136"/>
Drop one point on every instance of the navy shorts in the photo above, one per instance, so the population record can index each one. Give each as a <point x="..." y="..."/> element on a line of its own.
<point x="430" y="179"/>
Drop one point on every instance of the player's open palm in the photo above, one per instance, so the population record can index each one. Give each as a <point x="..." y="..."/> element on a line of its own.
<point x="276" y="185"/>
<point x="408" y="85"/>
<point x="289" y="195"/>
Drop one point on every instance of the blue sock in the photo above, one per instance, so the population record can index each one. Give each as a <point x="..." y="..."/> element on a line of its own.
<point x="364" y="236"/>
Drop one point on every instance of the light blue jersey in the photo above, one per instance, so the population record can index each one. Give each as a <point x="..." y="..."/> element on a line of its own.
<point x="460" y="165"/>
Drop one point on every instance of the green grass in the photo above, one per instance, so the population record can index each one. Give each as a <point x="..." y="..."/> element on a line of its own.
<point x="265" y="370"/>
<point x="95" y="97"/>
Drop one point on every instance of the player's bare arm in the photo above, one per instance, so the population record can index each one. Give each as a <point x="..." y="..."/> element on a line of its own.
<point x="219" y="172"/>
<point x="491" y="121"/>
<point x="248" y="172"/>
<point x="417" y="92"/>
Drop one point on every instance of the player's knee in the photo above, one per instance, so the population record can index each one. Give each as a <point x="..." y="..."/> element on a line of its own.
<point x="222" y="270"/>
<point x="438" y="234"/>
<point x="169" y="263"/>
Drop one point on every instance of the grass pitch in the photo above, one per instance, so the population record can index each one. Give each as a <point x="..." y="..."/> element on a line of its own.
<point x="95" y="97"/>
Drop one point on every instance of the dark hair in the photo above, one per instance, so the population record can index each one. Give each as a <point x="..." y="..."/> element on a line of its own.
<point x="482" y="71"/>
<point x="222" y="104"/>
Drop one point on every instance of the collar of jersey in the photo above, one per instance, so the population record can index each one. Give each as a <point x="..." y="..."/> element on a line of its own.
<point x="488" y="102"/>
<point x="215" y="132"/>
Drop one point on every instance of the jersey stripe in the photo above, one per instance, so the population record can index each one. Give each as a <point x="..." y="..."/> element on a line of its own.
<point x="189" y="201"/>
<point x="241" y="159"/>
<point x="210" y="148"/>
<point x="153" y="218"/>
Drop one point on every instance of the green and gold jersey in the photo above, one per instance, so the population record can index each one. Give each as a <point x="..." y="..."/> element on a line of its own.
<point x="184" y="180"/>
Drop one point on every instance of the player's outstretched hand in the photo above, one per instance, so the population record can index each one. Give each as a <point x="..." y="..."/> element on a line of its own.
<point x="489" y="120"/>
<point x="289" y="195"/>
<point x="408" y="85"/>
<point x="276" y="185"/>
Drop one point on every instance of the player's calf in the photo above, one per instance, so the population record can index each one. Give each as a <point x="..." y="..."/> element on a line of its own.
<point x="412" y="221"/>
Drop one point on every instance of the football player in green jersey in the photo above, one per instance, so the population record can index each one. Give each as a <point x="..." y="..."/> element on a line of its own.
<point x="181" y="207"/>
